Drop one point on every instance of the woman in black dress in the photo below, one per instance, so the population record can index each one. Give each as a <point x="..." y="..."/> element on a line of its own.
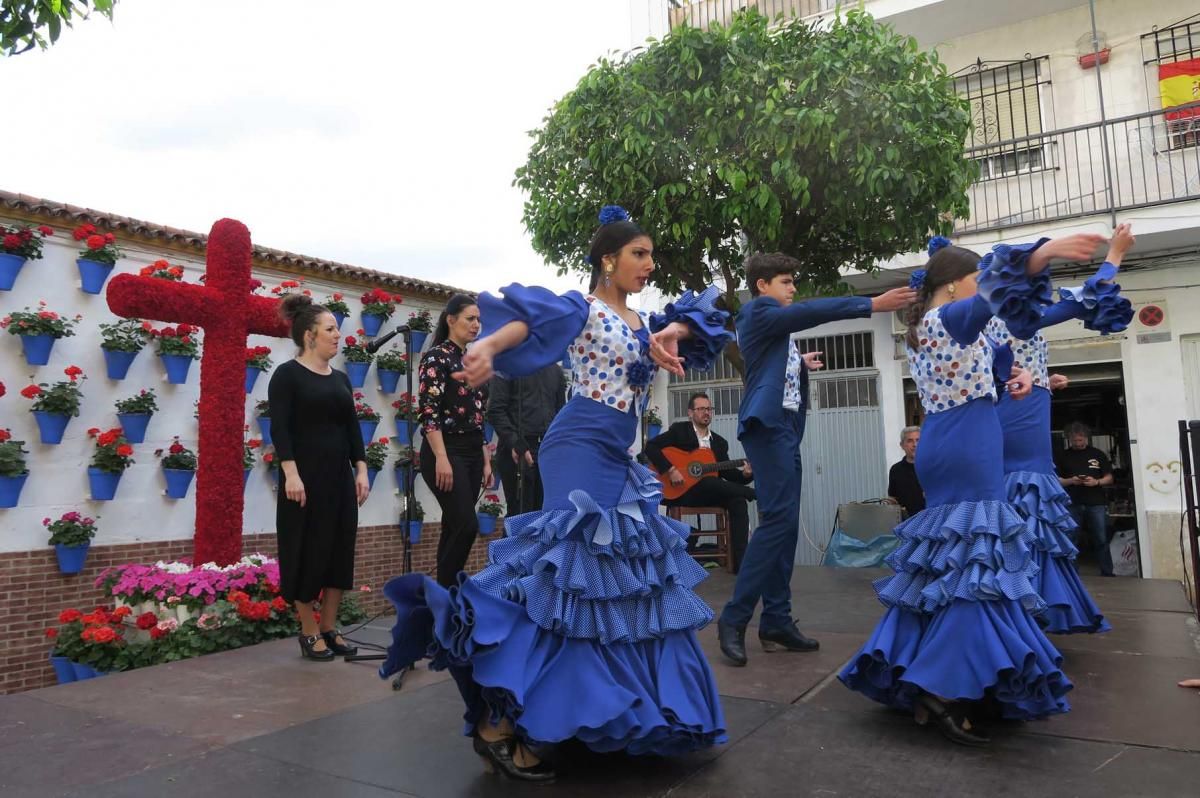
<point x="454" y="458"/>
<point x="321" y="454"/>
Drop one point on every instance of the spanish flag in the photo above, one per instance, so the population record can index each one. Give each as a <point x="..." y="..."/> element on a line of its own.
<point x="1179" y="84"/>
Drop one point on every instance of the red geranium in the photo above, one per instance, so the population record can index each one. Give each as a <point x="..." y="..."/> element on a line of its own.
<point x="157" y="633"/>
<point x="278" y="604"/>
<point x="121" y="612"/>
<point x="147" y="620"/>
<point x="31" y="391"/>
<point x="51" y="633"/>
<point x="68" y="616"/>
<point x="72" y="372"/>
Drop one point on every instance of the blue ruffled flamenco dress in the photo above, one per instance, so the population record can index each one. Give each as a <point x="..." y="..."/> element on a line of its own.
<point x="960" y="620"/>
<point x="1031" y="481"/>
<point x="583" y="623"/>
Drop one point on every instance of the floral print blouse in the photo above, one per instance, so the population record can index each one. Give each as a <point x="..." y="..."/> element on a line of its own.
<point x="447" y="405"/>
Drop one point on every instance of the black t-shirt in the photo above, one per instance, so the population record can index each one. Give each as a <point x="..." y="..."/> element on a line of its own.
<point x="904" y="487"/>
<point x="1086" y="462"/>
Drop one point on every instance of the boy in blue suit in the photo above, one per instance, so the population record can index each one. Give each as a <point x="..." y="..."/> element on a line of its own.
<point x="770" y="427"/>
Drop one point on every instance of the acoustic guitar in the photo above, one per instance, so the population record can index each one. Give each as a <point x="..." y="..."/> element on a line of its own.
<point x="694" y="466"/>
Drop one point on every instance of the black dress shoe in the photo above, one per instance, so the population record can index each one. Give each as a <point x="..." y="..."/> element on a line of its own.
<point x="733" y="642"/>
<point x="950" y="721"/>
<point x="498" y="756"/>
<point x="338" y="649"/>
<point x="788" y="638"/>
<point x="306" y="649"/>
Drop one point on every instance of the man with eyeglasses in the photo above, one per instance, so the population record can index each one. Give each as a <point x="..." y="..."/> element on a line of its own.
<point x="730" y="490"/>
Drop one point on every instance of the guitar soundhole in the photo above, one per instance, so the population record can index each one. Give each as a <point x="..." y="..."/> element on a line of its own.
<point x="695" y="469"/>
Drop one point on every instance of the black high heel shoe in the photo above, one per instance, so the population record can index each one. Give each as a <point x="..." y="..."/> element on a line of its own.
<point x="308" y="652"/>
<point x="338" y="649"/>
<point x="949" y="722"/>
<point x="498" y="756"/>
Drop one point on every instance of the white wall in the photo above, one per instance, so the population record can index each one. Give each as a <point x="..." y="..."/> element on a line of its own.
<point x="58" y="478"/>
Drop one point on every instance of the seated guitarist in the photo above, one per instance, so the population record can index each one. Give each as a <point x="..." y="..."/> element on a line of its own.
<point x="728" y="490"/>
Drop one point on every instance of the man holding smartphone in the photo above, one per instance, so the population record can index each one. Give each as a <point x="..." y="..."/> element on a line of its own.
<point x="1085" y="472"/>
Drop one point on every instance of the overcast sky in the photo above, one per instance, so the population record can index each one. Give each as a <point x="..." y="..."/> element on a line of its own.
<point x="386" y="140"/>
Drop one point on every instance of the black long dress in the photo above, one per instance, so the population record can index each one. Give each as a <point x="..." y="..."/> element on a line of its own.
<point x="313" y="423"/>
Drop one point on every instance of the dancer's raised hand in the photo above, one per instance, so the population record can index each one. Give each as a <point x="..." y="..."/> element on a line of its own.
<point x="1058" y="382"/>
<point x="895" y="299"/>
<point x="477" y="364"/>
<point x="813" y="361"/>
<point x="1077" y="247"/>
<point x="1122" y="241"/>
<point x="664" y="347"/>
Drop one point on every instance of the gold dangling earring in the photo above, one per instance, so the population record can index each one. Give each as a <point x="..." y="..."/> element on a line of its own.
<point x="608" y="270"/>
<point x="952" y="288"/>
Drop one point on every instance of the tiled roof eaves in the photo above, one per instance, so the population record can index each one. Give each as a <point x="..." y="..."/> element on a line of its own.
<point x="38" y="207"/>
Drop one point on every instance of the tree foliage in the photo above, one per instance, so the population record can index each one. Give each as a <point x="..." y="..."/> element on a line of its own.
<point x="840" y="147"/>
<point x="25" y="24"/>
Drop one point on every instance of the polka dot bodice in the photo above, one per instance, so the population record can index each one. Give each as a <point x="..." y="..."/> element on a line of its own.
<point x="1031" y="354"/>
<point x="609" y="362"/>
<point x="792" y="398"/>
<point x="947" y="374"/>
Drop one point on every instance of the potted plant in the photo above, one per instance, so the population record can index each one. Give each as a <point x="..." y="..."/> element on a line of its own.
<point x="134" y="414"/>
<point x="13" y="471"/>
<point x="368" y="419"/>
<point x="653" y="422"/>
<point x="407" y="410"/>
<point x="179" y="467"/>
<point x="418" y="521"/>
<point x="262" y="412"/>
<point x="120" y="342"/>
<point x="71" y="535"/>
<point x="19" y="243"/>
<point x="258" y="360"/>
<point x="336" y="304"/>
<point x="39" y="329"/>
<point x="421" y="324"/>
<point x="271" y="461"/>
<point x="112" y="456"/>
<point x="249" y="458"/>
<point x="358" y="359"/>
<point x="163" y="270"/>
<point x="97" y="258"/>
<point x="54" y="405"/>
<point x="406" y="464"/>
<point x="378" y="305"/>
<point x="177" y="348"/>
<point x="290" y="287"/>
<point x="377" y="452"/>
<point x="487" y="512"/>
<point x="67" y="644"/>
<point x="390" y="364"/>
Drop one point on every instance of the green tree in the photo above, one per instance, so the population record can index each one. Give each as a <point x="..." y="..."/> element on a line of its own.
<point x="26" y="23"/>
<point x="840" y="147"/>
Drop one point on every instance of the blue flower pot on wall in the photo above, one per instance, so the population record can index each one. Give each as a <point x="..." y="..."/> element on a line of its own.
<point x="177" y="367"/>
<point x="37" y="348"/>
<point x="264" y="429"/>
<point x="339" y="318"/>
<point x="10" y="267"/>
<point x="388" y="380"/>
<point x="92" y="275"/>
<point x="402" y="436"/>
<point x="51" y="425"/>
<point x="10" y="490"/>
<point x="83" y="671"/>
<point x="63" y="672"/>
<point x="357" y="372"/>
<point x="104" y="484"/>
<point x="71" y="558"/>
<point x="403" y="474"/>
<point x="414" y="531"/>
<point x="488" y="432"/>
<point x="371" y="324"/>
<point x="252" y="377"/>
<point x="245" y="478"/>
<point x="487" y="523"/>
<point x="117" y="363"/>
<point x="418" y="339"/>
<point x="653" y="430"/>
<point x="178" y="481"/>
<point x="371" y="474"/>
<point x="134" y="425"/>
<point x="368" y="430"/>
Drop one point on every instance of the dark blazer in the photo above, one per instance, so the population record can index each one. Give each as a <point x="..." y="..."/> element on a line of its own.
<point x="682" y="435"/>
<point x="764" y="329"/>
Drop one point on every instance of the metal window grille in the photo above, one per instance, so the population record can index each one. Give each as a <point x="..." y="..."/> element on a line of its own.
<point x="845" y="392"/>
<point x="1174" y="43"/>
<point x="703" y="13"/>
<point x="842" y="352"/>
<point x="725" y="400"/>
<point x="1006" y="104"/>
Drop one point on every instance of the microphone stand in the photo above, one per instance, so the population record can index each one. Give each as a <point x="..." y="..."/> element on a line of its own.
<point x="409" y="485"/>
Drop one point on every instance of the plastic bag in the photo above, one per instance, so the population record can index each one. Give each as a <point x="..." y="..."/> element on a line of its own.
<point x="1124" y="550"/>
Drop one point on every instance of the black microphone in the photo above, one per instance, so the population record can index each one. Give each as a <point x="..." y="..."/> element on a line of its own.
<point x="378" y="343"/>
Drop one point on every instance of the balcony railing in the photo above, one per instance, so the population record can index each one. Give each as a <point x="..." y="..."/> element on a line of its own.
<point x="1153" y="159"/>
<point x="702" y="13"/>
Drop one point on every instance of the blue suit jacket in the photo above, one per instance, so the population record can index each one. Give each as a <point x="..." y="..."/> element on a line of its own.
<point x="764" y="329"/>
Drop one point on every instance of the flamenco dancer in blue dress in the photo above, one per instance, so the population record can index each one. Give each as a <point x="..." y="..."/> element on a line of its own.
<point x="959" y="624"/>
<point x="583" y="624"/>
<point x="1031" y="484"/>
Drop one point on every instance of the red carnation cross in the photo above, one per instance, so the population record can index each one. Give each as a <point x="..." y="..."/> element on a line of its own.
<point x="228" y="312"/>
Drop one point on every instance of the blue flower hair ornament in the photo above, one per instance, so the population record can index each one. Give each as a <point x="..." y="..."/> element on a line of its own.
<point x="936" y="243"/>
<point x="613" y="213"/>
<point x="916" y="280"/>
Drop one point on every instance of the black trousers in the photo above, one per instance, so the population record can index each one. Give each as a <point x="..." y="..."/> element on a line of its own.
<point x="460" y="526"/>
<point x="717" y="492"/>
<point x="531" y="498"/>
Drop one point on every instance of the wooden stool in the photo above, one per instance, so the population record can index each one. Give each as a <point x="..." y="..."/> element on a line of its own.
<point x="724" y="553"/>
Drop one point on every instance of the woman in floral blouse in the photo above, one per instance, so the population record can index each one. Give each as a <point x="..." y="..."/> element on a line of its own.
<point x="454" y="458"/>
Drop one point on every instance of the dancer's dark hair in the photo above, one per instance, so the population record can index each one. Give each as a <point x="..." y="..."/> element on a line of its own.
<point x="615" y="231"/>
<point x="456" y="305"/>
<point x="949" y="264"/>
<point x="302" y="314"/>
<point x="766" y="266"/>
